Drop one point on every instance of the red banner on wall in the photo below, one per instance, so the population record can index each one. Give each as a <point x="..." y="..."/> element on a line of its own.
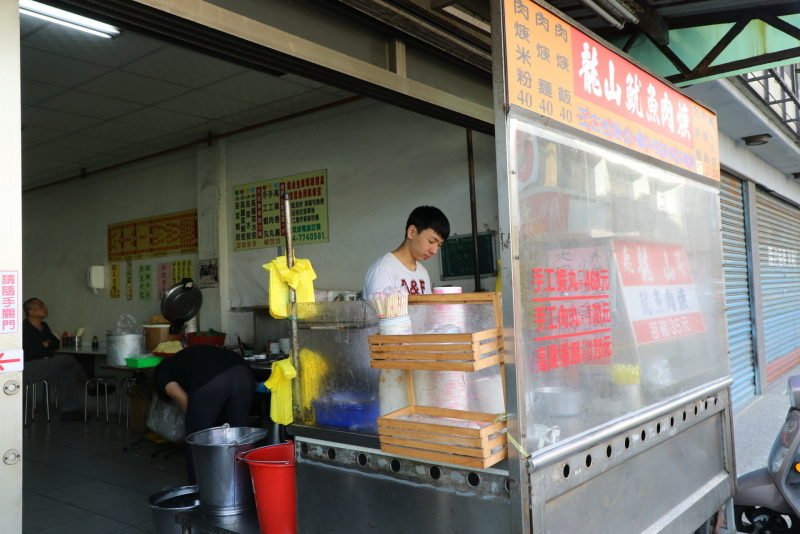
<point x="557" y="71"/>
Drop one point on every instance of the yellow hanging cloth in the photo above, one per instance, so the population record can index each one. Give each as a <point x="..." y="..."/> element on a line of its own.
<point x="313" y="369"/>
<point x="300" y="277"/>
<point x="280" y="385"/>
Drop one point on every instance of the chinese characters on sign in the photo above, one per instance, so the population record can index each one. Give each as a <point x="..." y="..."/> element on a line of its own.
<point x="145" y="282"/>
<point x="781" y="257"/>
<point x="259" y="220"/>
<point x="114" y="290"/>
<point x="164" y="278"/>
<point x="657" y="288"/>
<point x="129" y="280"/>
<point x="572" y="309"/>
<point x="181" y="269"/>
<point x="9" y="286"/>
<point x="559" y="72"/>
<point x="172" y="234"/>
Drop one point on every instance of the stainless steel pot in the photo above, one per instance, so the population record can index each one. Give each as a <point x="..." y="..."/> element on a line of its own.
<point x="120" y="346"/>
<point x="223" y="480"/>
<point x="168" y="502"/>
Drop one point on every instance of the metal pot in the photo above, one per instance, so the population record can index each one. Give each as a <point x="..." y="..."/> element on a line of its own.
<point x="168" y="502"/>
<point x="120" y="346"/>
<point x="223" y="480"/>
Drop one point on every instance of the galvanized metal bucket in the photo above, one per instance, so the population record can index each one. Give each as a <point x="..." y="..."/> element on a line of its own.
<point x="168" y="502"/>
<point x="223" y="481"/>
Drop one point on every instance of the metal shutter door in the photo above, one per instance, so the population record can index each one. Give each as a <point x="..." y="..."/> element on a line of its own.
<point x="778" y="246"/>
<point x="737" y="291"/>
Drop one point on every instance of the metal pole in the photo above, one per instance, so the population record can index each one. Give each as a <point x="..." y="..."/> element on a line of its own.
<point x="473" y="211"/>
<point x="294" y="351"/>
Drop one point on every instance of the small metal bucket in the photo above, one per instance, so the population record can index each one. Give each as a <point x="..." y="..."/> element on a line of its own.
<point x="223" y="481"/>
<point x="168" y="502"/>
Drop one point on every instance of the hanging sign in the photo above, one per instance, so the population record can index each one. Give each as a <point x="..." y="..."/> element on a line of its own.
<point x="258" y="216"/>
<point x="657" y="288"/>
<point x="559" y="72"/>
<point x="164" y="279"/>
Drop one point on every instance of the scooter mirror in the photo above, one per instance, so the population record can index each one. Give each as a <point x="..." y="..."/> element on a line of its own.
<point x="794" y="391"/>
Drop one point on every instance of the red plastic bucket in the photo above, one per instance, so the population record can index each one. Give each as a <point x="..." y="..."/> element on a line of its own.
<point x="272" y="469"/>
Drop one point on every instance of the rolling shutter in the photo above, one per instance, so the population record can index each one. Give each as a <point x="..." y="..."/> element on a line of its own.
<point x="737" y="291"/>
<point x="779" y="250"/>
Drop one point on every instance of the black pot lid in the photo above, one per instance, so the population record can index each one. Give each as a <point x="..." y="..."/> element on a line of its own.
<point x="181" y="302"/>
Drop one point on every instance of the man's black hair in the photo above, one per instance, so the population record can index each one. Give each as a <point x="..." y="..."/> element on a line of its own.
<point x="26" y="306"/>
<point x="424" y="217"/>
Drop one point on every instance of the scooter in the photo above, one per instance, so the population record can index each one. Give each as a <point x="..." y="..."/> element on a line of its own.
<point x="767" y="500"/>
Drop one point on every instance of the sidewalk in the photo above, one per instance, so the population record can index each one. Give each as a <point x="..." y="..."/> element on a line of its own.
<point x="756" y="425"/>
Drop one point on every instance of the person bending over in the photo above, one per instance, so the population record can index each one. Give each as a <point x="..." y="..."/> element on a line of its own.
<point x="213" y="385"/>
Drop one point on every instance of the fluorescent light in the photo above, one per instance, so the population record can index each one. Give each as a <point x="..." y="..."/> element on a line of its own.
<point x="65" y="18"/>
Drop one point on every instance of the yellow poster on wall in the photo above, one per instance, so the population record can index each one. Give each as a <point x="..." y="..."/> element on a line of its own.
<point x="114" y="290"/>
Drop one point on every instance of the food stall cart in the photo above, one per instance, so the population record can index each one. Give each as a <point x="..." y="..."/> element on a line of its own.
<point x="617" y="408"/>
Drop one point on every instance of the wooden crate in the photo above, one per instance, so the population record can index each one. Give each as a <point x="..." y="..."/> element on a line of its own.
<point x="437" y="352"/>
<point x="471" y="439"/>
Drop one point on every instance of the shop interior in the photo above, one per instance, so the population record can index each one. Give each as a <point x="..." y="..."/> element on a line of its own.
<point x="132" y="127"/>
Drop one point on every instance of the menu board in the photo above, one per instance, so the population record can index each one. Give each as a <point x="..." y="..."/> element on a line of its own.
<point x="557" y="71"/>
<point x="114" y="290"/>
<point x="572" y="308"/>
<point x="129" y="280"/>
<point x="145" y="282"/>
<point x="181" y="269"/>
<point x="658" y="291"/>
<point x="164" y="280"/>
<point x="259" y="219"/>
<point x="171" y="234"/>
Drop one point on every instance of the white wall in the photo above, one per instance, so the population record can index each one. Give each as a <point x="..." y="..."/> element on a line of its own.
<point x="739" y="160"/>
<point x="382" y="162"/>
<point x="65" y="229"/>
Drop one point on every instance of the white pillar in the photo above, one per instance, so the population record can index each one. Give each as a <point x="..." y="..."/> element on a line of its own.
<point x="10" y="272"/>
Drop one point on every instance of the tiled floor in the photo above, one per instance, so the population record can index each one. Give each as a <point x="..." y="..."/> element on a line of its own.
<point x="77" y="478"/>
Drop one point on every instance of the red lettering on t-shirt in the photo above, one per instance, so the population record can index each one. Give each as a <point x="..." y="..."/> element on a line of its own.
<point x="417" y="287"/>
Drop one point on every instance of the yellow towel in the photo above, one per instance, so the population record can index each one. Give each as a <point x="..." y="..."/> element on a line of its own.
<point x="300" y="277"/>
<point x="313" y="369"/>
<point x="280" y="385"/>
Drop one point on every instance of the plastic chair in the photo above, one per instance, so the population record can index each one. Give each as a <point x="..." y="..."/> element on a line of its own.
<point x="103" y="381"/>
<point x="31" y="387"/>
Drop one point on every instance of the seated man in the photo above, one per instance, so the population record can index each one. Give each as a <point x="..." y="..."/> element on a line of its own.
<point x="213" y="385"/>
<point x="61" y="370"/>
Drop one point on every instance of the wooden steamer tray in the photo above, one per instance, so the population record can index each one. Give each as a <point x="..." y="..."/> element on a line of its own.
<point x="471" y="439"/>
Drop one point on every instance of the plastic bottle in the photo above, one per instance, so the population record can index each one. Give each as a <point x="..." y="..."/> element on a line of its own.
<point x="95" y="343"/>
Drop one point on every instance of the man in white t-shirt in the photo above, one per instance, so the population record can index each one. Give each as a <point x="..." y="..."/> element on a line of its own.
<point x="427" y="228"/>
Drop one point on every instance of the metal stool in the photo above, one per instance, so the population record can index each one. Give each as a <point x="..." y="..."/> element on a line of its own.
<point x="31" y="386"/>
<point x="99" y="381"/>
<point x="125" y="386"/>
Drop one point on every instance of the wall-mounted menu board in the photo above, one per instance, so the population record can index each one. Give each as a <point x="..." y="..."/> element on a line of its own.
<point x="258" y="218"/>
<point x="457" y="256"/>
<point x="163" y="235"/>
